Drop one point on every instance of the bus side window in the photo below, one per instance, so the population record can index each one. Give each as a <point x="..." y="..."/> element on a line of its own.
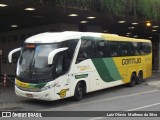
<point x="101" y="49"/>
<point x="134" y="49"/>
<point x="114" y="48"/>
<point x="71" y="44"/>
<point x="140" y="48"/>
<point x="124" y="49"/>
<point x="145" y="48"/>
<point x="148" y="47"/>
<point x="60" y="65"/>
<point x="85" y="51"/>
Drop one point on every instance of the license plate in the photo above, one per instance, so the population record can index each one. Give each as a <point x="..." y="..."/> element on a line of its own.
<point x="29" y="95"/>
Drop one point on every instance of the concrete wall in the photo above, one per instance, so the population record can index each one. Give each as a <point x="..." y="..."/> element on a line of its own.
<point x="94" y="28"/>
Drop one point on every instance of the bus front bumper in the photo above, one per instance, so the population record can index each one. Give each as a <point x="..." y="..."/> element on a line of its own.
<point x="47" y="95"/>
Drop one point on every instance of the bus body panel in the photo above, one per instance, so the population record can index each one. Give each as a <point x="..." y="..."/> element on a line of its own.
<point x="86" y="71"/>
<point x="126" y="68"/>
<point x="62" y="88"/>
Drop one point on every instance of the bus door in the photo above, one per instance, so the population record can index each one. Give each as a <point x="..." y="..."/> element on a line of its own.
<point x="60" y="68"/>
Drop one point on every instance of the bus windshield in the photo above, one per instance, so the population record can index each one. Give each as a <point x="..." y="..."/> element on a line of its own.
<point x="33" y="62"/>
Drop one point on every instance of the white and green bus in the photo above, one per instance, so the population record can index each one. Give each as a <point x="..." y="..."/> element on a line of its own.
<point x="58" y="65"/>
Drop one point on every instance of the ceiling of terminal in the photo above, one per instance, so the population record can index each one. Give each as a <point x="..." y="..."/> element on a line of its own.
<point x="15" y="16"/>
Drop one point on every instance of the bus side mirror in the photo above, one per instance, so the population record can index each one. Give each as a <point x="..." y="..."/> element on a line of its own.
<point x="11" y="53"/>
<point x="53" y="53"/>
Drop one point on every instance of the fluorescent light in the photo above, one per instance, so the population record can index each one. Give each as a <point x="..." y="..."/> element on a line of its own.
<point x="155" y="26"/>
<point x="91" y="17"/>
<point x="30" y="9"/>
<point x="134" y="23"/>
<point x="73" y="15"/>
<point x="131" y="27"/>
<point x="154" y="30"/>
<point x="135" y="36"/>
<point x="83" y="21"/>
<point x="14" y="26"/>
<point x="128" y="33"/>
<point x="3" y="5"/>
<point x="150" y="37"/>
<point x="121" y="21"/>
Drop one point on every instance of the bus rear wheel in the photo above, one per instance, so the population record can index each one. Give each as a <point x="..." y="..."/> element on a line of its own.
<point x="140" y="77"/>
<point x="133" y="80"/>
<point x="78" y="94"/>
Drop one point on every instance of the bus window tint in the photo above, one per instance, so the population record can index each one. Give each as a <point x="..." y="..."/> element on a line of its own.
<point x="114" y="48"/>
<point x="103" y="48"/>
<point x="71" y="44"/>
<point x="100" y="49"/>
<point x="134" y="49"/>
<point x="147" y="47"/>
<point x="85" y="51"/>
<point x="60" y="65"/>
<point x="144" y="48"/>
<point x="124" y="51"/>
<point x="71" y="48"/>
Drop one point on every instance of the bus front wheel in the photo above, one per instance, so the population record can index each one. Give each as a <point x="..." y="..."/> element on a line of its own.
<point x="78" y="94"/>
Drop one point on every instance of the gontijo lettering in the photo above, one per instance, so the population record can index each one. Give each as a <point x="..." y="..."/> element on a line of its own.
<point x="131" y="61"/>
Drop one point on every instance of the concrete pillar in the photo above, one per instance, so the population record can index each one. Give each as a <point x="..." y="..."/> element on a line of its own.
<point x="0" y="54"/>
<point x="156" y="54"/>
<point x="159" y="53"/>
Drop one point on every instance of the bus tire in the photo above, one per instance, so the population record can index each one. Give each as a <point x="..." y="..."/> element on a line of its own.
<point x="140" y="77"/>
<point x="133" y="80"/>
<point x="79" y="92"/>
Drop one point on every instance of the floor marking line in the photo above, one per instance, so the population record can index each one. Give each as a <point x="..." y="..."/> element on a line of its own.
<point x="153" y="83"/>
<point x="97" y="118"/>
<point x="123" y="96"/>
<point x="151" y="105"/>
<point x="138" y="108"/>
<point x="107" y="99"/>
<point x="147" y="106"/>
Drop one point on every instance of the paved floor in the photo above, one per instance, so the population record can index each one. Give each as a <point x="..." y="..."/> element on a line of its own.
<point x="144" y="97"/>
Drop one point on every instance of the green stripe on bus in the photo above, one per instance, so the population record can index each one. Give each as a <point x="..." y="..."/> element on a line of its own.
<point x="40" y="85"/>
<point x="107" y="69"/>
<point x="81" y="76"/>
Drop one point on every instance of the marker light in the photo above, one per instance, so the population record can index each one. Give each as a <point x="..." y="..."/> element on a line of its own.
<point x="121" y="21"/>
<point x="73" y="15"/>
<point x="83" y="21"/>
<point x="29" y="9"/>
<point x="3" y="5"/>
<point x="30" y="46"/>
<point x="91" y="17"/>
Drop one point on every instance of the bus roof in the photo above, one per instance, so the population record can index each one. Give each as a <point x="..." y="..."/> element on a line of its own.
<point x="121" y="38"/>
<point x="53" y="37"/>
